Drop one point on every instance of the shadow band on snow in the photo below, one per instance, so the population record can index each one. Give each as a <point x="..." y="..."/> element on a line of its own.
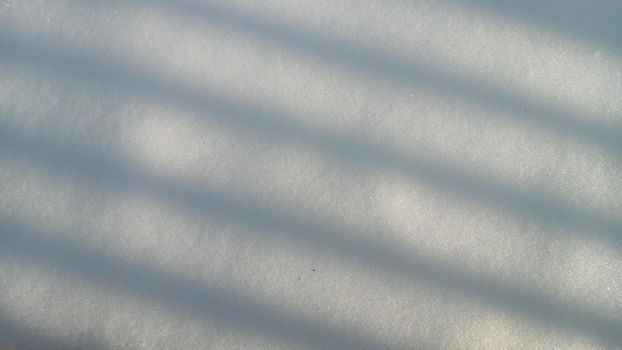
<point x="597" y="21"/>
<point x="14" y="336"/>
<point x="99" y="170"/>
<point x="403" y="70"/>
<point x="278" y="124"/>
<point x="208" y="304"/>
<point x="290" y="226"/>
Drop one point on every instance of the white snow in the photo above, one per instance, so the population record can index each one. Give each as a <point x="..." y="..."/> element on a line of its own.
<point x="243" y="174"/>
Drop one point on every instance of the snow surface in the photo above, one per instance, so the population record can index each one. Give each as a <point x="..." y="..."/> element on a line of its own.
<point x="310" y="174"/>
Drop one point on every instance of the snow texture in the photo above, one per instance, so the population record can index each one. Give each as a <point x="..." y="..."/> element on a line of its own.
<point x="310" y="174"/>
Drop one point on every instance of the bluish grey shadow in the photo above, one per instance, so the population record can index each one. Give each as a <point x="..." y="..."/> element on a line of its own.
<point x="14" y="336"/>
<point x="272" y="123"/>
<point x="209" y="304"/>
<point x="597" y="21"/>
<point x="105" y="171"/>
<point x="403" y="70"/>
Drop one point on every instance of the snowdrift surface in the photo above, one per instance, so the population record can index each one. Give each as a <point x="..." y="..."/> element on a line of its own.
<point x="401" y="174"/>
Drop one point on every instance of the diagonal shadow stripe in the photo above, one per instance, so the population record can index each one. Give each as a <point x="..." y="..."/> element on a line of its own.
<point x="206" y="303"/>
<point x="448" y="177"/>
<point x="405" y="70"/>
<point x="596" y="22"/>
<point x="14" y="336"/>
<point x="274" y="223"/>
